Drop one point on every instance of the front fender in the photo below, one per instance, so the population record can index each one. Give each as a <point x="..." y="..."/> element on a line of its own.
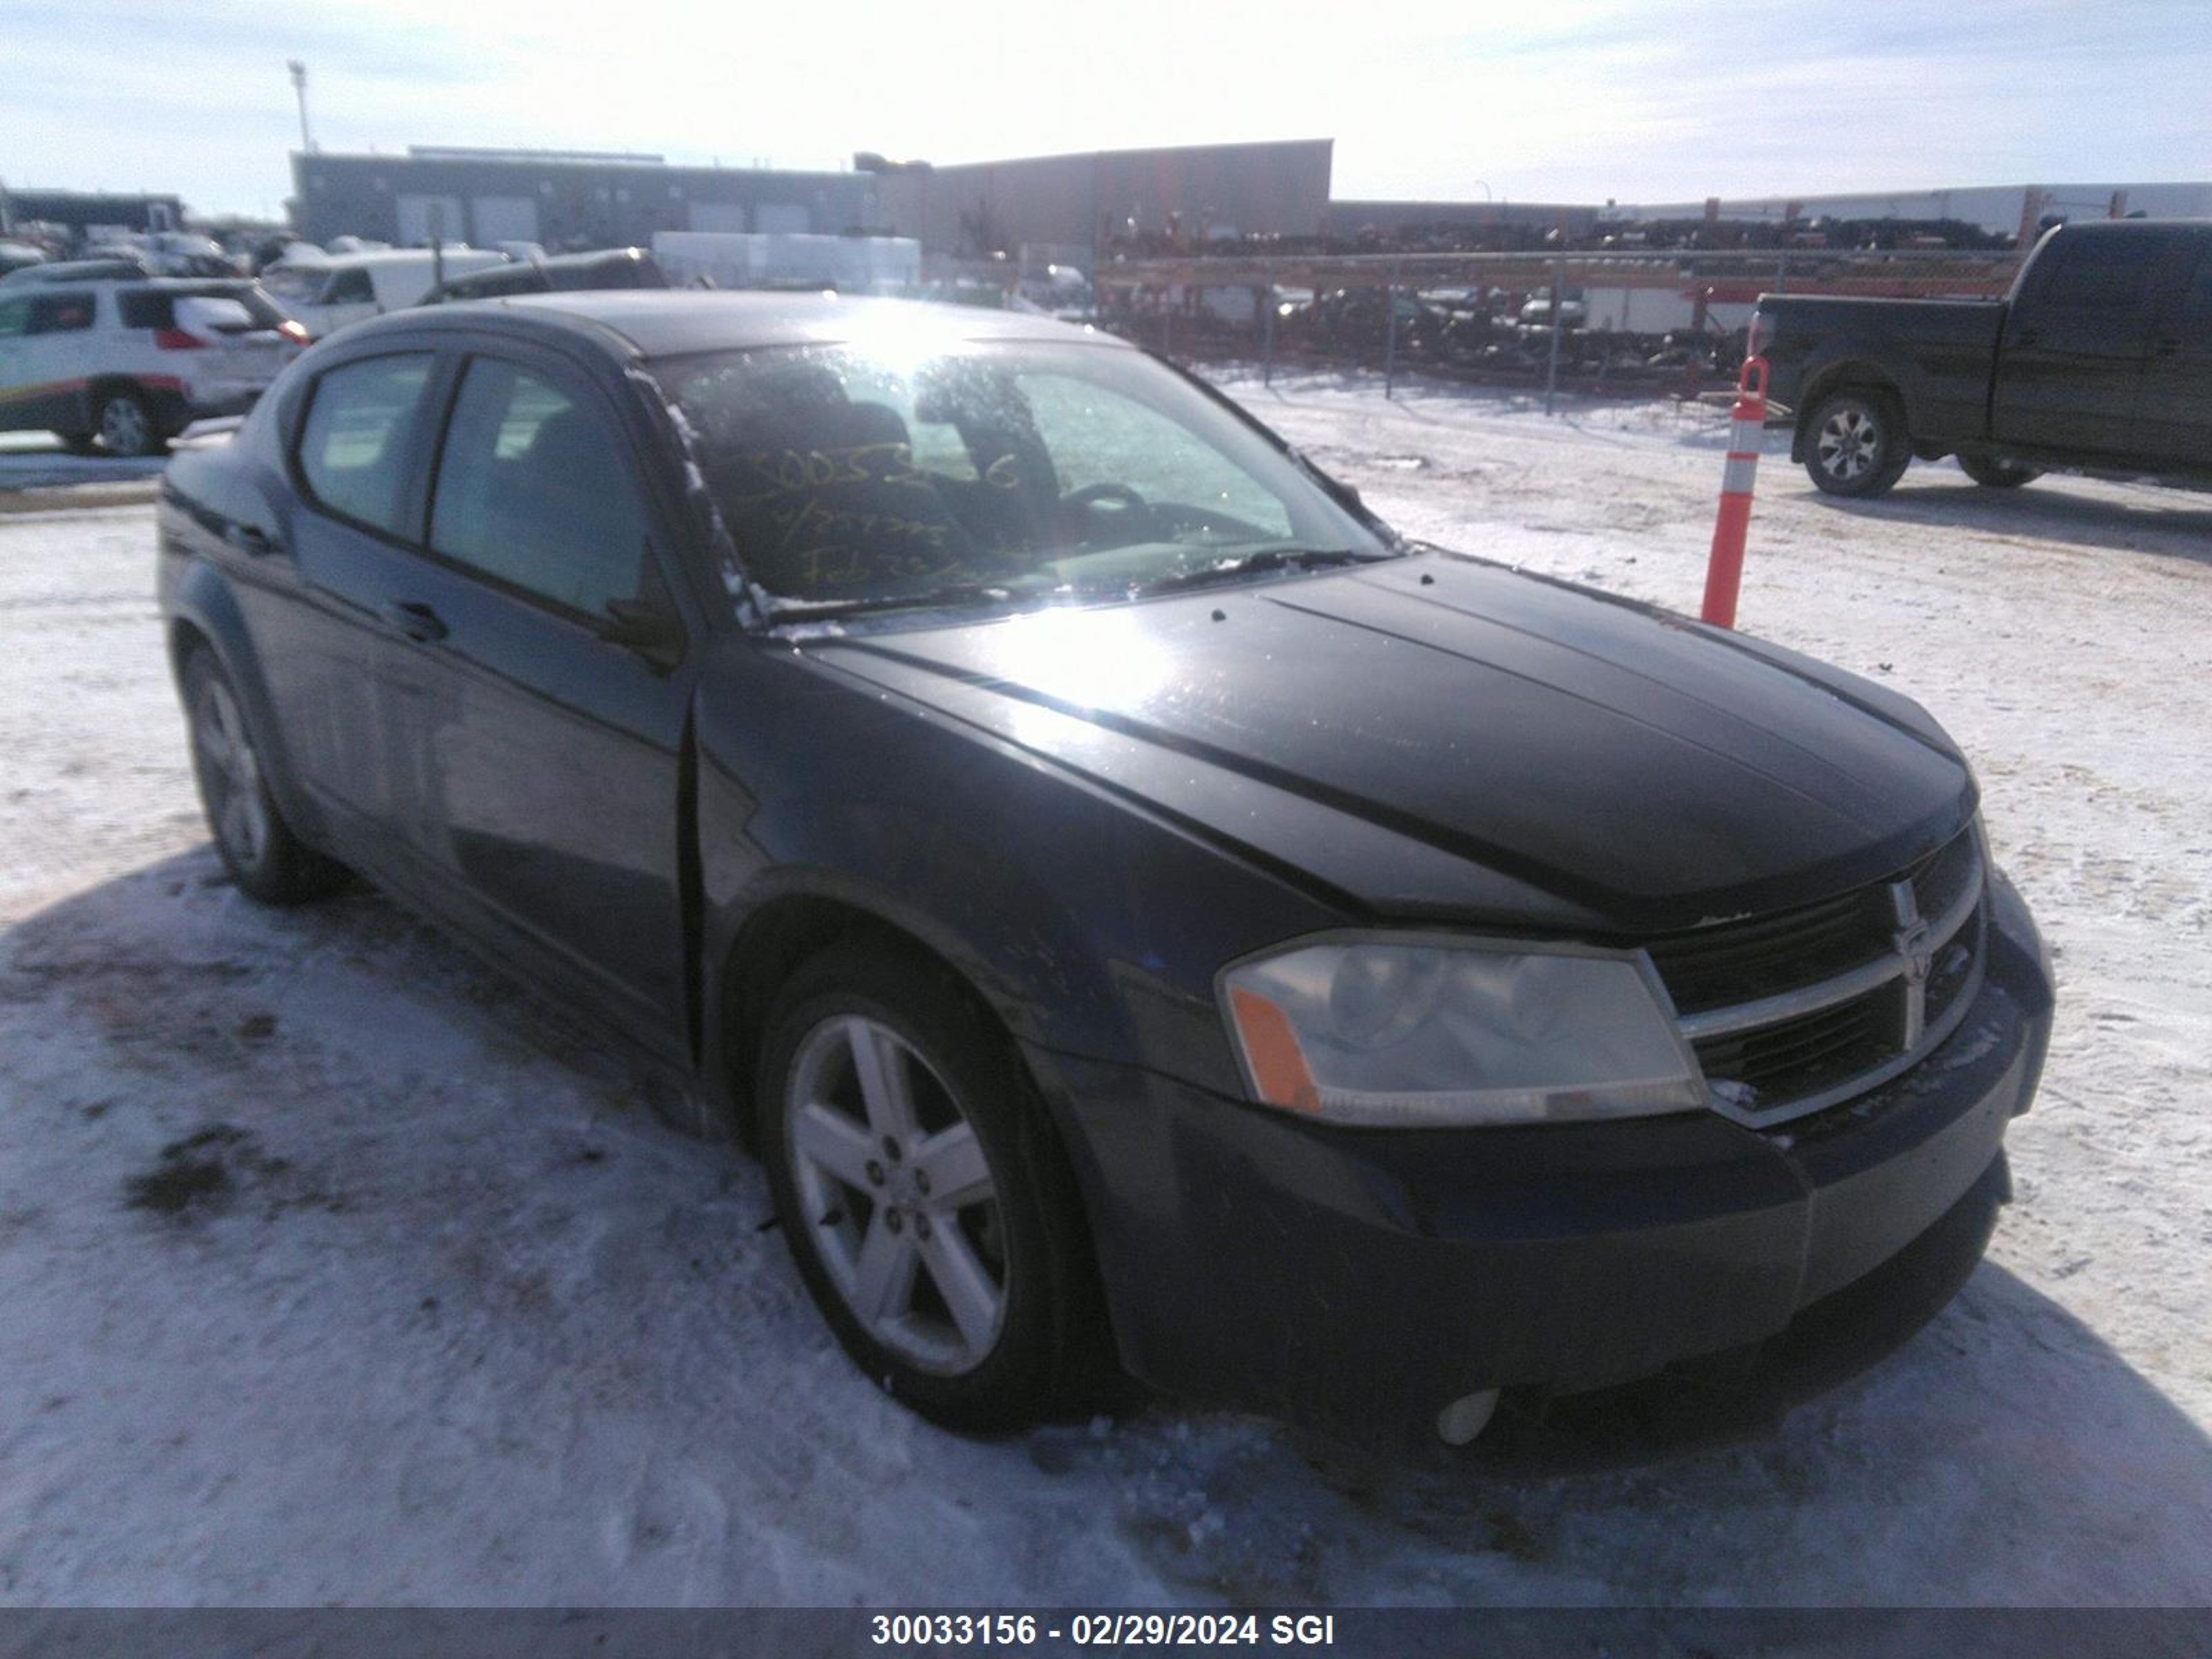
<point x="1091" y="925"/>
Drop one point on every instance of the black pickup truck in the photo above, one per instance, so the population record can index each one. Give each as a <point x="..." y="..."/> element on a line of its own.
<point x="2099" y="357"/>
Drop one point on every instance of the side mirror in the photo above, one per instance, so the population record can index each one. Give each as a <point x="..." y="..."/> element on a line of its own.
<point x="647" y="628"/>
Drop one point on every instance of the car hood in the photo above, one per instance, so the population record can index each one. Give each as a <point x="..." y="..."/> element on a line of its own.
<point x="1437" y="737"/>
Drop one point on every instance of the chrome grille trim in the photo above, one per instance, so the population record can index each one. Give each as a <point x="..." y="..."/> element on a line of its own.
<point x="1937" y="1034"/>
<point x="1910" y="956"/>
<point x="1857" y="982"/>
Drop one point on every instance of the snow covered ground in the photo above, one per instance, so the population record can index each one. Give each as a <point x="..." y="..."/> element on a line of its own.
<point x="332" y="1271"/>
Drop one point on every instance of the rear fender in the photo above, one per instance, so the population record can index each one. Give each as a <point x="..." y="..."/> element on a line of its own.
<point x="204" y="610"/>
<point x="1842" y="366"/>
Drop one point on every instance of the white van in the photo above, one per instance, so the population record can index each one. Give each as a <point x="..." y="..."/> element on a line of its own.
<point x="344" y="288"/>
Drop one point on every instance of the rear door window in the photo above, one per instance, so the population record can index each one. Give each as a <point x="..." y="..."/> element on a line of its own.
<point x="532" y="492"/>
<point x="2109" y="273"/>
<point x="60" y="313"/>
<point x="356" y="442"/>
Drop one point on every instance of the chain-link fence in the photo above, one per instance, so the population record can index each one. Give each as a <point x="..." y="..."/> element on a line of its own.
<point x="1622" y="323"/>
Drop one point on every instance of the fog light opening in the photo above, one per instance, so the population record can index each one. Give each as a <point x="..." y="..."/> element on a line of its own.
<point x="1465" y="1417"/>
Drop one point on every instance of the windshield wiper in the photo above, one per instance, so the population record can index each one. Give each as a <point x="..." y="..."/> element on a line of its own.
<point x="1266" y="559"/>
<point x="785" y="611"/>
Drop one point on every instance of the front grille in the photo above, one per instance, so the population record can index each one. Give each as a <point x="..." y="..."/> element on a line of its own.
<point x="1789" y="1014"/>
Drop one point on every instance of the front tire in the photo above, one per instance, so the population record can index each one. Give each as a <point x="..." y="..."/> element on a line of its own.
<point x="1997" y="475"/>
<point x="1856" y="443"/>
<point x="924" y="1194"/>
<point x="127" y="426"/>
<point x="257" y="847"/>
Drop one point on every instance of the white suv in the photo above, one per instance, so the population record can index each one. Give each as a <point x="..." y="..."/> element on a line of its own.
<point x="131" y="364"/>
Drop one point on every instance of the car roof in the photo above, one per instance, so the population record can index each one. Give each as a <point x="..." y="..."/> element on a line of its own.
<point x="678" y="322"/>
<point x="369" y="258"/>
<point x="77" y="270"/>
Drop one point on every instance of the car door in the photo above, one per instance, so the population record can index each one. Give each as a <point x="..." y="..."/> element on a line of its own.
<point x="545" y="783"/>
<point x="2177" y="390"/>
<point x="52" y="361"/>
<point x="320" y="583"/>
<point x="15" y="382"/>
<point x="2071" y="360"/>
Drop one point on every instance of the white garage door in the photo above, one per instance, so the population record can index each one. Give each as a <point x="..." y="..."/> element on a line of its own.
<point x="417" y="212"/>
<point x="718" y="215"/>
<point x="504" y="219"/>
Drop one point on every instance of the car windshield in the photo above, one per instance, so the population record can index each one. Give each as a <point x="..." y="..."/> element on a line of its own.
<point x="914" y="470"/>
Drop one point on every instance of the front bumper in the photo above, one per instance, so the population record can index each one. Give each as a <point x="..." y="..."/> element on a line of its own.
<point x="1358" y="1280"/>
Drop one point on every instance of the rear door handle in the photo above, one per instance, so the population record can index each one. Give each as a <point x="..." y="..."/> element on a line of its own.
<point x="2169" y="347"/>
<point x="416" y="621"/>
<point x="256" y="544"/>
<point x="2028" y="336"/>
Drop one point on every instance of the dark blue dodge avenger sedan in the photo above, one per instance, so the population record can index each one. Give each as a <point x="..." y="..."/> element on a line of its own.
<point x="1147" y="915"/>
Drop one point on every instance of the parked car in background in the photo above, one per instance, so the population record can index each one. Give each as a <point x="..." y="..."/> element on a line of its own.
<point x="1040" y="812"/>
<point x="114" y="268"/>
<point x="346" y="287"/>
<point x="19" y="256"/>
<point x="1536" y="311"/>
<point x="563" y="273"/>
<point x="2100" y="357"/>
<point x="130" y="364"/>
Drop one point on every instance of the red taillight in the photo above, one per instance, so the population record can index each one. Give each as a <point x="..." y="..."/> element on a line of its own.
<point x="295" y="330"/>
<point x="175" y="339"/>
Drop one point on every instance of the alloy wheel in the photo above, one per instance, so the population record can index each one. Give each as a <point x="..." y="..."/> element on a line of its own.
<point x="230" y="776"/>
<point x="123" y="427"/>
<point x="894" y="1181"/>
<point x="1849" y="443"/>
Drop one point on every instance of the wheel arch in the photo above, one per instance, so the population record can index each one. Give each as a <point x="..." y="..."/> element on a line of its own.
<point x="1842" y="372"/>
<point x="783" y="933"/>
<point x="203" y="615"/>
<point x="790" y="927"/>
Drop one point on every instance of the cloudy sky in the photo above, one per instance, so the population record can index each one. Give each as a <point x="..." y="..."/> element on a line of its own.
<point x="1557" y="99"/>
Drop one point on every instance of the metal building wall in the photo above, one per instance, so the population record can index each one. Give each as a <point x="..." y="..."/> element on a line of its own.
<point x="1073" y="201"/>
<point x="576" y="203"/>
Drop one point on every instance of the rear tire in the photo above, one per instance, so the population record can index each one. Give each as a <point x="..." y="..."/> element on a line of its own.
<point x="1856" y="443"/>
<point x="972" y="1299"/>
<point x="257" y="847"/>
<point x="1997" y="475"/>
<point x="127" y="426"/>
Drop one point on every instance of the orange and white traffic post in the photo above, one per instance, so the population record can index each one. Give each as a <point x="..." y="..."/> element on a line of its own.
<point x="1746" y="430"/>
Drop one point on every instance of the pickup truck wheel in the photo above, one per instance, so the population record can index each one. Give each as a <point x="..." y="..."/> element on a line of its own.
<point x="1997" y="475"/>
<point x="1856" y="443"/>
<point x="923" y="1194"/>
<point x="257" y="847"/>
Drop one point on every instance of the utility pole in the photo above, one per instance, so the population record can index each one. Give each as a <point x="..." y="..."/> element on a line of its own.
<point x="300" y="90"/>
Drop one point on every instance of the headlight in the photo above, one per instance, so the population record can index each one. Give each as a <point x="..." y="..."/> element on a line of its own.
<point x="1416" y="1032"/>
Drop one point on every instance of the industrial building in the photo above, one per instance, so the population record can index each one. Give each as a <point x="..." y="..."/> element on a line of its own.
<point x="1081" y="202"/>
<point x="2001" y="209"/>
<point x="559" y="199"/>
<point x="84" y="212"/>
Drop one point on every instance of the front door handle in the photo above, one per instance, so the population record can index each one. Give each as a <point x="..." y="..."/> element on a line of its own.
<point x="2168" y="347"/>
<point x="252" y="542"/>
<point x="2028" y="336"/>
<point x="416" y="621"/>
